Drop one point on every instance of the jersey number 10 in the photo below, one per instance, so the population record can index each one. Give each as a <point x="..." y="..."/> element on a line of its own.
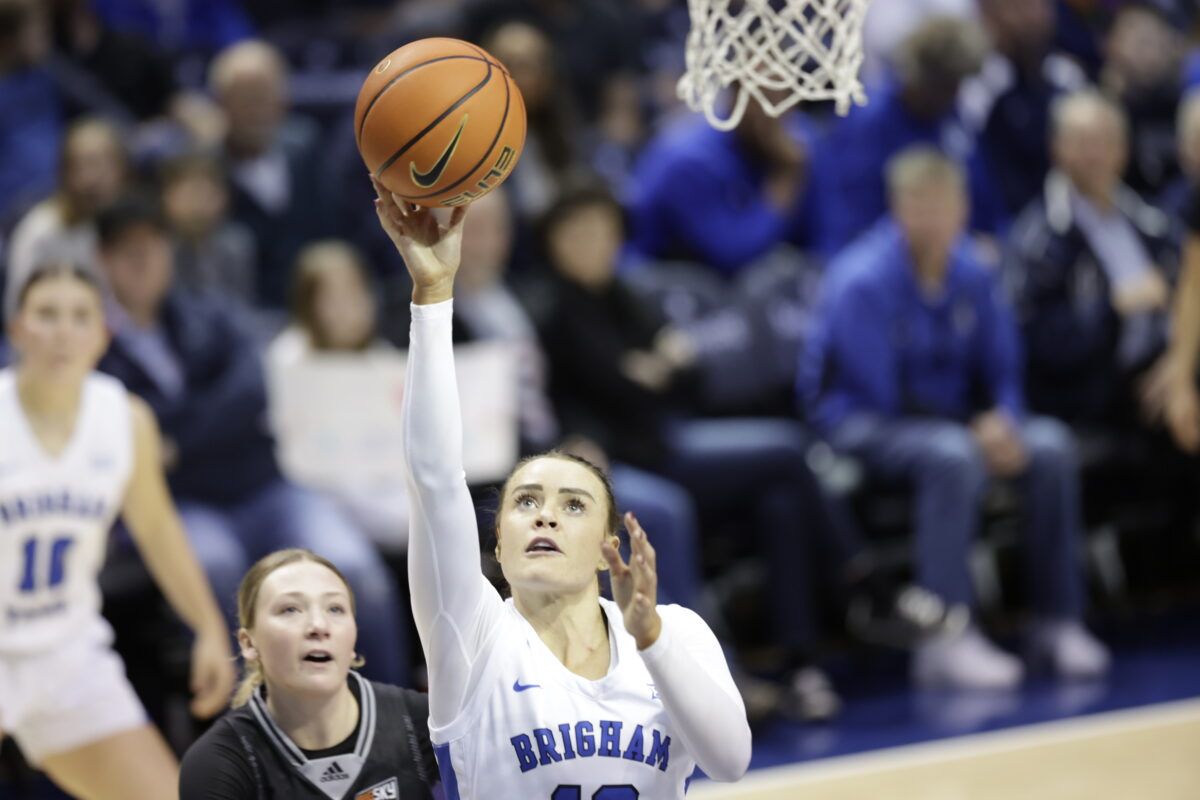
<point x="569" y="792"/>
<point x="58" y="556"/>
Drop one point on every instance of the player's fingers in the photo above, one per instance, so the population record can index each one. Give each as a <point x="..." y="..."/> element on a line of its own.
<point x="456" y="218"/>
<point x="615" y="563"/>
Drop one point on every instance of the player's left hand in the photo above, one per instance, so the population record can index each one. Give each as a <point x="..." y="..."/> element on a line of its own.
<point x="213" y="675"/>
<point x="635" y="585"/>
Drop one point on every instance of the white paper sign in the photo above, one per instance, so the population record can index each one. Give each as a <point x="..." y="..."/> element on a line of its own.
<point x="337" y="418"/>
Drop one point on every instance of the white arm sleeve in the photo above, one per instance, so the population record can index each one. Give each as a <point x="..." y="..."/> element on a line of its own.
<point x="453" y="604"/>
<point x="698" y="692"/>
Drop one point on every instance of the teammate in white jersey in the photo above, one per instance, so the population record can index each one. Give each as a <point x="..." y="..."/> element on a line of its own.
<point x="76" y="449"/>
<point x="555" y="694"/>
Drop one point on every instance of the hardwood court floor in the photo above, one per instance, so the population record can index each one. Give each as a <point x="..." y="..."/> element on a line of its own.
<point x="1150" y="753"/>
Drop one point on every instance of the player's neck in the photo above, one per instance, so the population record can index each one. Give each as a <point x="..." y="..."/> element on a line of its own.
<point x="314" y="722"/>
<point x="48" y="403"/>
<point x="573" y="627"/>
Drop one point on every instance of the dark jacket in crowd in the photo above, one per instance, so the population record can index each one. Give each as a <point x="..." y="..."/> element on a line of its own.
<point x="218" y="423"/>
<point x="1072" y="331"/>
<point x="586" y="336"/>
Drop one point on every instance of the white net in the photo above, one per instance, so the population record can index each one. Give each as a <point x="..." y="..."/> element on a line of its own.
<point x="777" y="52"/>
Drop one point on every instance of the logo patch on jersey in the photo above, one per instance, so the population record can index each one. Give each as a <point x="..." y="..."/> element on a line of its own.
<point x="388" y="790"/>
<point x="334" y="773"/>
<point x="520" y="687"/>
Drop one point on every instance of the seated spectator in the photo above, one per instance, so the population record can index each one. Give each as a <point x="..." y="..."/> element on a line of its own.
<point x="93" y="171"/>
<point x="274" y="162"/>
<point x="552" y="141"/>
<point x="1092" y="265"/>
<point x="189" y="359"/>
<point x="1007" y="105"/>
<point x="1143" y="71"/>
<point x="723" y="198"/>
<point x="186" y="25"/>
<point x="333" y="312"/>
<point x="212" y="252"/>
<point x="31" y="114"/>
<point x="622" y="377"/>
<point x="1174" y="199"/>
<point x="912" y="366"/>
<point x="916" y="107"/>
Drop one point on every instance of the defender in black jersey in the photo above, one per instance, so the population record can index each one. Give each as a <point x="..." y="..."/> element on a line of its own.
<point x="304" y="725"/>
<point x="246" y="756"/>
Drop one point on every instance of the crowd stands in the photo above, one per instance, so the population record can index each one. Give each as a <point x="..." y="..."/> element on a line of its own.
<point x="966" y="287"/>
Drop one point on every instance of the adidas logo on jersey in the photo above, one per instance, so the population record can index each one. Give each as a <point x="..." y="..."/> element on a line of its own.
<point x="388" y="790"/>
<point x="334" y="773"/>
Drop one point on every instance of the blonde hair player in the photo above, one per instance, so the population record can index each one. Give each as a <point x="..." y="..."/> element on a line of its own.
<point x="557" y="693"/>
<point x="76" y="449"/>
<point x="304" y="725"/>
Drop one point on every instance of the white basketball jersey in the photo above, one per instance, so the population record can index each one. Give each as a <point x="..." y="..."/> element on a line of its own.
<point x="534" y="730"/>
<point x="55" y="514"/>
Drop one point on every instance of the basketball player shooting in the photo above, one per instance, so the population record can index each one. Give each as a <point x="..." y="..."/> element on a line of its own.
<point x="556" y="693"/>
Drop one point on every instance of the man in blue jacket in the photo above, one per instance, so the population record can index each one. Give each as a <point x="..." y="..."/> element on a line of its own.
<point x="913" y="366"/>
<point x="189" y="359"/>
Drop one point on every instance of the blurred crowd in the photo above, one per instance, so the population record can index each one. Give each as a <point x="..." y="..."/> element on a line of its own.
<point x="824" y="359"/>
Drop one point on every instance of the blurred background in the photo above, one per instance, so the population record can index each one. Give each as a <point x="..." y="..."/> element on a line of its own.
<point x="647" y="292"/>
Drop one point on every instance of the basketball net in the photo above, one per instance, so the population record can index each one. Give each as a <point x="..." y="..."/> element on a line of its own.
<point x="792" y="49"/>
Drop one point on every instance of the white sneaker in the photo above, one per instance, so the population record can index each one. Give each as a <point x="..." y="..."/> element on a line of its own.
<point x="966" y="660"/>
<point x="1069" y="649"/>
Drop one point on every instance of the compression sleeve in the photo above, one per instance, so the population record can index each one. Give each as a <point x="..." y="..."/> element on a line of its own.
<point x="697" y="690"/>
<point x="454" y="606"/>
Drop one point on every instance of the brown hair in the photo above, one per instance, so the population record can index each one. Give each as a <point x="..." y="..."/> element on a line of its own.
<point x="311" y="265"/>
<point x="56" y="269"/>
<point x="247" y="603"/>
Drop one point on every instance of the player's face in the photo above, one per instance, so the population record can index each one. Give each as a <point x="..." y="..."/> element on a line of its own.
<point x="304" y="630"/>
<point x="552" y="524"/>
<point x="59" y="330"/>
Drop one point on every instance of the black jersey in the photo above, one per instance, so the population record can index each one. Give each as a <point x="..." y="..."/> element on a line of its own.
<point x="246" y="756"/>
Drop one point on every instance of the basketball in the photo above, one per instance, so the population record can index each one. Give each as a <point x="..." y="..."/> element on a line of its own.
<point x="439" y="122"/>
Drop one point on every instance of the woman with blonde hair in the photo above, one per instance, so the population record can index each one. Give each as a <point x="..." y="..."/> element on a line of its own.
<point x="305" y="724"/>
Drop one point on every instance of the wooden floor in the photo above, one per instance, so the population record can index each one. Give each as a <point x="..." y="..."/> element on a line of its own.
<point x="1150" y="753"/>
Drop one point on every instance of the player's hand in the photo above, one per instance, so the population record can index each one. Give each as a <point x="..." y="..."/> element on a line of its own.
<point x="430" y="249"/>
<point x="1183" y="415"/>
<point x="212" y="675"/>
<point x="635" y="585"/>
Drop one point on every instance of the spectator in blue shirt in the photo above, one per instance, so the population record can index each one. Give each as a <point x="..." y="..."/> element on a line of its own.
<point x="722" y="198"/>
<point x="31" y="115"/>
<point x="917" y="106"/>
<point x="190" y="360"/>
<point x="913" y="366"/>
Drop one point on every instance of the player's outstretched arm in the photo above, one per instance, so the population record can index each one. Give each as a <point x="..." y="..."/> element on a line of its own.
<point x="685" y="660"/>
<point x="453" y="604"/>
<point x="150" y="514"/>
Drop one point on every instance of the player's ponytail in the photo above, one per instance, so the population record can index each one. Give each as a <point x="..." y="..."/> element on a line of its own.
<point x="247" y="605"/>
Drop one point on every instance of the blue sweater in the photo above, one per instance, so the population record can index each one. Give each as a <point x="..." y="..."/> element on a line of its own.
<point x="878" y="347"/>
<point x="697" y="196"/>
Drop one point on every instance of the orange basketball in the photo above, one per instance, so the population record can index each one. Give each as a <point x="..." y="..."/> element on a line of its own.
<point x="440" y="122"/>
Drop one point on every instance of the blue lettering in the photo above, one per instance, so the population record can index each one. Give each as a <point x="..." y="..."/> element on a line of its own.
<point x="660" y="751"/>
<point x="546" y="751"/>
<point x="610" y="738"/>
<point x="524" y="750"/>
<point x="565" y="730"/>
<point x="585" y="743"/>
<point x="636" y="742"/>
